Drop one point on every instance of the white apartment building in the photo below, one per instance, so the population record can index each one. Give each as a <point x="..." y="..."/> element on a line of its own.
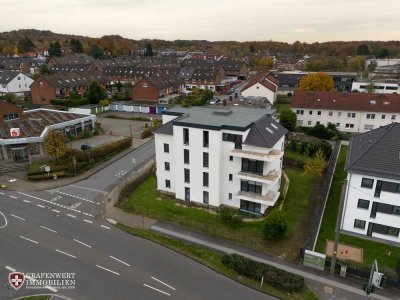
<point x="221" y="156"/>
<point x="378" y="87"/>
<point x="372" y="201"/>
<point x="14" y="82"/>
<point x="349" y="112"/>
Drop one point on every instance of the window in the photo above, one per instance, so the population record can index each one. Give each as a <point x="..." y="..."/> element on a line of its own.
<point x="368" y="127"/>
<point x="300" y="112"/>
<point x="319" y="113"/>
<point x="230" y="177"/>
<point x="144" y="84"/>
<point x="351" y="115"/>
<point x="166" y="165"/>
<point x="383" y="117"/>
<point x="393" y="231"/>
<point x="205" y="139"/>
<point x="363" y="203"/>
<point x="234" y="138"/>
<point x="230" y="196"/>
<point x="251" y="186"/>
<point x="337" y="125"/>
<point x="349" y="125"/>
<point x="167" y="184"/>
<point x="185" y="136"/>
<point x="359" y="224"/>
<point x="205" y="159"/>
<point x="393" y="117"/>
<point x="230" y="158"/>
<point x="187" y="175"/>
<point x="166" y="148"/>
<point x="339" y="114"/>
<point x="187" y="194"/>
<point x="318" y="122"/>
<point x="309" y="123"/>
<point x="205" y="197"/>
<point x="205" y="179"/>
<point x="367" y="183"/>
<point x="371" y="116"/>
<point x="250" y="206"/>
<point x="186" y="156"/>
<point x="396" y="210"/>
<point x="310" y="112"/>
<point x="331" y="113"/>
<point x="252" y="166"/>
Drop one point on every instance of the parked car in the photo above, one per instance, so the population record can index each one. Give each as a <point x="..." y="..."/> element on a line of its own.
<point x="87" y="146"/>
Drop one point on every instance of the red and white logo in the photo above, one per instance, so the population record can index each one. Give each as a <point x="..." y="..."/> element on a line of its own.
<point x="16" y="279"/>
<point x="15" y="132"/>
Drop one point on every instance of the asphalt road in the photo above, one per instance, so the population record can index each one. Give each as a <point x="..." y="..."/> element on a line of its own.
<point x="62" y="231"/>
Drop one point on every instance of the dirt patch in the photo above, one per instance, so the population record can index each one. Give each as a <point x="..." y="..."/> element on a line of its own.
<point x="345" y="252"/>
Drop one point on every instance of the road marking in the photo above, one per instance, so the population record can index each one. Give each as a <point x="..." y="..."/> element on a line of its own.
<point x="65" y="253"/>
<point x="80" y="198"/>
<point x="10" y="269"/>
<point x="55" y="210"/>
<point x="107" y="270"/>
<point x="153" y="288"/>
<point x="83" y="243"/>
<point x="1" y="193"/>
<point x="26" y="201"/>
<point x="122" y="262"/>
<point x="106" y="227"/>
<point x="40" y="205"/>
<point x="112" y="221"/>
<point x="13" y="197"/>
<point x="74" y="206"/>
<point x="172" y="288"/>
<point x="89" y="189"/>
<point x="72" y="216"/>
<point x="121" y="173"/>
<point x="22" y="237"/>
<point x="17" y="217"/>
<point x="48" y="229"/>
<point x="87" y="221"/>
<point x="5" y="220"/>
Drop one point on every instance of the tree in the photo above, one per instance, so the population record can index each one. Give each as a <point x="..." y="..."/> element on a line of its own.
<point x="370" y="88"/>
<point x="316" y="165"/>
<point x="149" y="50"/>
<point x="96" y="51"/>
<point x="95" y="93"/>
<point x="275" y="226"/>
<point x="288" y="119"/>
<point x="54" y="144"/>
<point x="321" y="132"/>
<point x="76" y="46"/>
<point x="382" y="53"/>
<point x="55" y="49"/>
<point x="372" y="65"/>
<point x="317" y="82"/>
<point x="355" y="64"/>
<point x="74" y="95"/>
<point x="363" y="49"/>
<point x="25" y="45"/>
<point x="44" y="70"/>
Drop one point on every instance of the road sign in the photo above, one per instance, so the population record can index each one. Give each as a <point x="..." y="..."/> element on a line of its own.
<point x="314" y="260"/>
<point x="47" y="169"/>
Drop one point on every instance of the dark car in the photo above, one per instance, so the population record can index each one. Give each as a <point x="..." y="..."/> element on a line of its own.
<point x="87" y="146"/>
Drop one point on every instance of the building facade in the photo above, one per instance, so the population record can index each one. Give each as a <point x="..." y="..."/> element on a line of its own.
<point x="377" y="87"/>
<point x="263" y="86"/>
<point x="230" y="157"/>
<point x="372" y="201"/>
<point x="14" y="82"/>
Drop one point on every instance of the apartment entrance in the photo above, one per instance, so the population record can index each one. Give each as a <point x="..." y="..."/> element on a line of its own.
<point x="20" y="154"/>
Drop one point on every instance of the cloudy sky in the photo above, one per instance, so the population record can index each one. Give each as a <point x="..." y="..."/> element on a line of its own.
<point x="241" y="20"/>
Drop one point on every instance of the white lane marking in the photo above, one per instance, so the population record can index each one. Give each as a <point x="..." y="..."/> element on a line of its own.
<point x="13" y="197"/>
<point x="55" y="210"/>
<point x="65" y="253"/>
<point x="153" y="288"/>
<point x="10" y="269"/>
<point x="107" y="270"/>
<point x="88" y="189"/>
<point x="57" y="204"/>
<point x="121" y="173"/>
<point x="106" y="227"/>
<point x="5" y="220"/>
<point x="87" y="221"/>
<point x="112" y="221"/>
<point x="1" y="193"/>
<point x="39" y="205"/>
<point x="25" y="238"/>
<point x="17" y="217"/>
<point x="122" y="262"/>
<point x="48" y="229"/>
<point x="26" y="201"/>
<point x="172" y="288"/>
<point x="72" y="216"/>
<point x="83" y="243"/>
<point x="80" y="198"/>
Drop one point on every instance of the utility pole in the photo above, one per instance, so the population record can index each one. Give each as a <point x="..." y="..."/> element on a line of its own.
<point x="337" y="231"/>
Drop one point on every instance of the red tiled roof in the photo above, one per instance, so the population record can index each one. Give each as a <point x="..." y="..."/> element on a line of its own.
<point x="265" y="81"/>
<point x="347" y="101"/>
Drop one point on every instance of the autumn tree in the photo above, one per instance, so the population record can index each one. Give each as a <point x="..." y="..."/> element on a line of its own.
<point x="25" y="45"/>
<point x="355" y="64"/>
<point x="288" y="119"/>
<point x="316" y="165"/>
<point x="55" y="49"/>
<point x="316" y="82"/>
<point x="363" y="49"/>
<point x="96" y="51"/>
<point x="95" y="93"/>
<point x="54" y="144"/>
<point x="76" y="46"/>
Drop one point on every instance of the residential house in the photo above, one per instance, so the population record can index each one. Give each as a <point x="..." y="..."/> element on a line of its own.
<point x="377" y="87"/>
<point x="9" y="111"/>
<point x="262" y="86"/>
<point x="348" y="111"/>
<point x="203" y="74"/>
<point x="234" y="70"/>
<point x="14" y="82"/>
<point x="226" y="156"/>
<point x="290" y="64"/>
<point x="372" y="201"/>
<point x="80" y="59"/>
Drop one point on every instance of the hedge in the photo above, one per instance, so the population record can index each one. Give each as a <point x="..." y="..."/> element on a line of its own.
<point x="69" y="102"/>
<point x="275" y="277"/>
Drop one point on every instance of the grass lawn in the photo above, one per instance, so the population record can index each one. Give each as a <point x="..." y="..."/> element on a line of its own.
<point x="372" y="250"/>
<point x="282" y="106"/>
<point x="295" y="155"/>
<point x="212" y="259"/>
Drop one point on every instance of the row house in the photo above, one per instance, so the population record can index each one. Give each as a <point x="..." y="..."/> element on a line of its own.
<point x="74" y="59"/>
<point x="372" y="200"/>
<point x="102" y="64"/>
<point x="203" y="75"/>
<point x="262" y="86"/>
<point x="25" y="65"/>
<point x="128" y="75"/>
<point x="226" y="156"/>
<point x="234" y="70"/>
<point x="14" y="82"/>
<point x="157" y="87"/>
<point x="349" y="112"/>
<point x="290" y="64"/>
<point x="59" y="86"/>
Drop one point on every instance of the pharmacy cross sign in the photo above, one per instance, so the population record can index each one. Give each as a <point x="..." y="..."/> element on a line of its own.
<point x="16" y="279"/>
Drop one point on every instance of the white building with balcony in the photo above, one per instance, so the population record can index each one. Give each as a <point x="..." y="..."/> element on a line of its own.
<point x="372" y="201"/>
<point x="226" y="156"/>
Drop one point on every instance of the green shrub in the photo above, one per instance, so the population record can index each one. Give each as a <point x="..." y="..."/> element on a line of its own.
<point x="229" y="215"/>
<point x="275" y="226"/>
<point x="275" y="277"/>
<point x="70" y="102"/>
<point x="146" y="133"/>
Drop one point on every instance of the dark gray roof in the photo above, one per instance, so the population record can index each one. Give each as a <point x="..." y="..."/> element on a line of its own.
<point x="73" y="79"/>
<point x="7" y="76"/>
<point x="163" y="81"/>
<point x="167" y="128"/>
<point x="376" y="152"/>
<point x="265" y="133"/>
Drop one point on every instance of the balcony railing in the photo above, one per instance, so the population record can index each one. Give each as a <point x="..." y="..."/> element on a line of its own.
<point x="271" y="176"/>
<point x="271" y="155"/>
<point x="269" y="198"/>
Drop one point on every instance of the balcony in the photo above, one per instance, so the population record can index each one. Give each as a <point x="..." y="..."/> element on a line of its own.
<point x="271" y="155"/>
<point x="271" y="176"/>
<point x="269" y="198"/>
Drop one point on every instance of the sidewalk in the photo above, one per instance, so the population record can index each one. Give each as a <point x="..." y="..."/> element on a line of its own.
<point x="23" y="185"/>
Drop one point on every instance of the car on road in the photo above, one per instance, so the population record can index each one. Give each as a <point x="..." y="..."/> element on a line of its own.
<point x="87" y="146"/>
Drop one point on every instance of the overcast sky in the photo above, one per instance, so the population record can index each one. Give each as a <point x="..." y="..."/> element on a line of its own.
<point x="241" y="20"/>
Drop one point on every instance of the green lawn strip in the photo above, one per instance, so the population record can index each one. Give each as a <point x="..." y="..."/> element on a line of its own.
<point x="295" y="156"/>
<point x="296" y="201"/>
<point x="212" y="259"/>
<point x="41" y="297"/>
<point x="282" y="106"/>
